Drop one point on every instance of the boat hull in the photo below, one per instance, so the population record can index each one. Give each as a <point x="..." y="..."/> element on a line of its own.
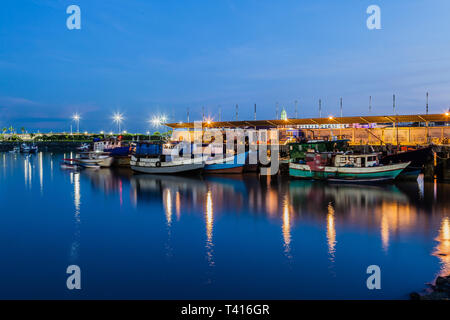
<point x="229" y="170"/>
<point x="234" y="164"/>
<point x="347" y="174"/>
<point x="417" y="157"/>
<point x="169" y="169"/>
<point x="102" y="162"/>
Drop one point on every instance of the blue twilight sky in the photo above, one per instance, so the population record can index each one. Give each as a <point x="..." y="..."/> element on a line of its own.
<point x="160" y="57"/>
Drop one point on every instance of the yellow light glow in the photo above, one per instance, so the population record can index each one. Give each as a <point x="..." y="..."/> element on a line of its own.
<point x="286" y="228"/>
<point x="442" y="250"/>
<point x="331" y="232"/>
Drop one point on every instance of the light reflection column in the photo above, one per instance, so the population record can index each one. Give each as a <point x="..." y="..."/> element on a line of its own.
<point x="41" y="172"/>
<point x="442" y="250"/>
<point x="167" y="202"/>
<point x="209" y="217"/>
<point x="75" y="177"/>
<point x="286" y="228"/>
<point x="331" y="232"/>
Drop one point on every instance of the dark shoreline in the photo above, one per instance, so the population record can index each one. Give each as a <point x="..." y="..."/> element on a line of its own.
<point x="57" y="146"/>
<point x="440" y="290"/>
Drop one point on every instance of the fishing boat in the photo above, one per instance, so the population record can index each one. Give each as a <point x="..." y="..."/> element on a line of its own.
<point x="93" y="158"/>
<point x="345" y="167"/>
<point x="231" y="164"/>
<point x="33" y="148"/>
<point x="149" y="157"/>
<point x="24" y="148"/>
<point x="417" y="156"/>
<point x="69" y="164"/>
<point x="116" y="148"/>
<point x="83" y="147"/>
<point x="298" y="150"/>
<point x="15" y="150"/>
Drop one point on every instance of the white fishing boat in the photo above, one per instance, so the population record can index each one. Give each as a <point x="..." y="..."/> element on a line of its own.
<point x="155" y="166"/>
<point x="15" y="150"/>
<point x="92" y="159"/>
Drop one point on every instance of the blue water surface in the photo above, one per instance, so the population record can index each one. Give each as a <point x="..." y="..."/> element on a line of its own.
<point x="213" y="237"/>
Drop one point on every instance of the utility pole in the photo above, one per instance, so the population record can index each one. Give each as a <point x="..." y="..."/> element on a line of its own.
<point x="255" y="111"/>
<point x="393" y="103"/>
<point x="341" y="106"/>
<point x="237" y="109"/>
<point x="203" y="113"/>
<point x="296" y="113"/>
<point x="370" y="104"/>
<point x="188" y="115"/>
<point x="427" y="102"/>
<point x="320" y="108"/>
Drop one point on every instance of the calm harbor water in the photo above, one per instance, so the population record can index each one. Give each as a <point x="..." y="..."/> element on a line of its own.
<point x="244" y="236"/>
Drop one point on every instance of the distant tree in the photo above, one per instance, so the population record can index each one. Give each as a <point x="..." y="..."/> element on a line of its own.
<point x="11" y="129"/>
<point x="22" y="130"/>
<point x="4" y="130"/>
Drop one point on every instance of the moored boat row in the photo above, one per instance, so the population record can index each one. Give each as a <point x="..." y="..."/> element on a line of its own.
<point x="330" y="160"/>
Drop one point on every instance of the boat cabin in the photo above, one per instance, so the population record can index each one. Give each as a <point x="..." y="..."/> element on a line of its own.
<point x="342" y="159"/>
<point x="356" y="160"/>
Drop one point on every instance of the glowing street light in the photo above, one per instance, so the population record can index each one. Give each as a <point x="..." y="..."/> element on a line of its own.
<point x="118" y="117"/>
<point x="76" y="117"/>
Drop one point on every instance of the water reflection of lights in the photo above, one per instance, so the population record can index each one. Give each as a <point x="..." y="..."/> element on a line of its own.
<point x="41" y="172"/>
<point x="75" y="177"/>
<point x="167" y="200"/>
<point x="178" y="205"/>
<point x="385" y="231"/>
<point x="167" y="203"/>
<point x="27" y="170"/>
<point x="76" y="192"/>
<point x="272" y="202"/>
<point x="442" y="250"/>
<point x="286" y="228"/>
<point x="331" y="232"/>
<point x="209" y="216"/>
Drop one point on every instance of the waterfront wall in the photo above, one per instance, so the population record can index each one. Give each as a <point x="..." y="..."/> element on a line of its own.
<point x="378" y="136"/>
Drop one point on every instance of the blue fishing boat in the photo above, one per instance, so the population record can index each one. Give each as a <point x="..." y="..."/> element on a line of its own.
<point x="231" y="164"/>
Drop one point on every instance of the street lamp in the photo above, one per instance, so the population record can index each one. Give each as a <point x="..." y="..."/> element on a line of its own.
<point x="118" y="119"/>
<point x="76" y="117"/>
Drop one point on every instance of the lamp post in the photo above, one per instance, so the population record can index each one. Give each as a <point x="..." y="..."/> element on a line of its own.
<point x="76" y="117"/>
<point x="118" y="119"/>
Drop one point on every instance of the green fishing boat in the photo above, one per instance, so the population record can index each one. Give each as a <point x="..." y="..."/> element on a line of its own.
<point x="343" y="167"/>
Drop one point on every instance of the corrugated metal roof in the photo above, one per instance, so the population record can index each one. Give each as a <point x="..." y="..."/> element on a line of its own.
<point x="315" y="121"/>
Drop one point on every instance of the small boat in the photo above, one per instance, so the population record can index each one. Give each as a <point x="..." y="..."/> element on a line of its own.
<point x="344" y="167"/>
<point x="15" y="150"/>
<point x="92" y="159"/>
<point x="24" y="148"/>
<point x="231" y="164"/>
<point x="33" y="149"/>
<point x="69" y="164"/>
